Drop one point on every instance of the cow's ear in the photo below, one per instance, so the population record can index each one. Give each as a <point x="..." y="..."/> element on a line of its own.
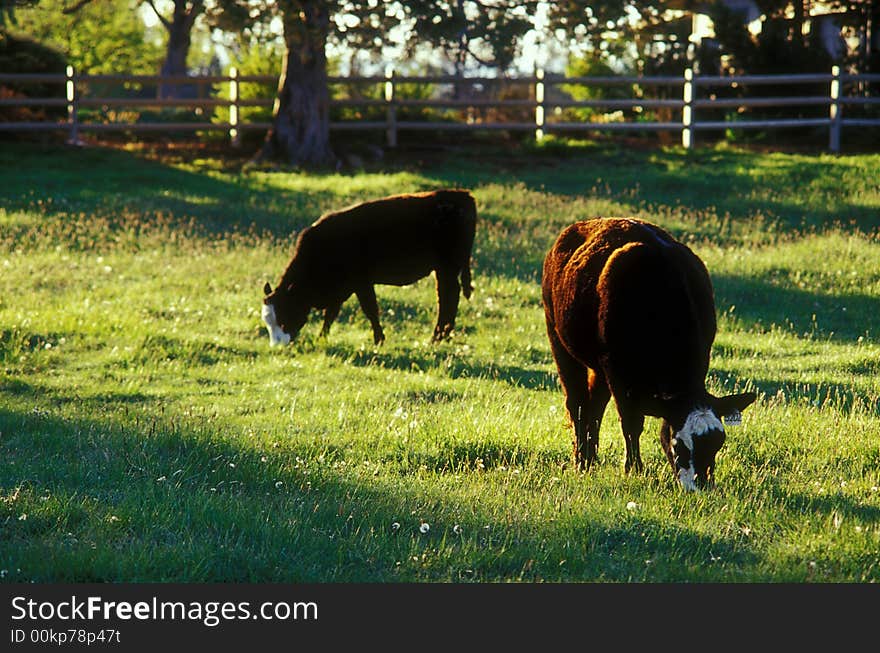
<point x="267" y="289"/>
<point x="732" y="405"/>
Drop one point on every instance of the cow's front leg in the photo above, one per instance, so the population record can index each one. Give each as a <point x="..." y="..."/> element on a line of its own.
<point x="367" y="297"/>
<point x="330" y="314"/>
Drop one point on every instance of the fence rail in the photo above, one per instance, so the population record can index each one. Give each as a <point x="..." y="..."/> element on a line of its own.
<point x="693" y="95"/>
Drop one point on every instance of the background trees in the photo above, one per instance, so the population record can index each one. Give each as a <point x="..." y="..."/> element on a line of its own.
<point x="109" y="35"/>
<point x="101" y="37"/>
<point x="485" y="36"/>
<point x="785" y="44"/>
<point x="487" y="32"/>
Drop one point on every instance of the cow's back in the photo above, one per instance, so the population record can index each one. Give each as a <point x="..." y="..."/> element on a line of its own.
<point x="626" y="298"/>
<point x="395" y="240"/>
<point x="570" y="279"/>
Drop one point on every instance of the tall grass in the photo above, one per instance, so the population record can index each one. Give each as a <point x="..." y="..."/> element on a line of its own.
<point x="148" y="433"/>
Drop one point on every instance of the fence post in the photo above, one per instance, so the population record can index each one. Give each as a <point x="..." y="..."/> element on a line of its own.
<point x="687" y="111"/>
<point x="72" y="107"/>
<point x="391" y="120"/>
<point x="234" y="134"/>
<point x="834" y="111"/>
<point x="539" y="107"/>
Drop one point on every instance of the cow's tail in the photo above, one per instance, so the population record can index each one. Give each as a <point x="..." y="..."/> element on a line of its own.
<point x="466" y="287"/>
<point x="470" y="222"/>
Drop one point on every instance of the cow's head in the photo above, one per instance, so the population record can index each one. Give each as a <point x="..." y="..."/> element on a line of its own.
<point x="283" y="313"/>
<point x="692" y="445"/>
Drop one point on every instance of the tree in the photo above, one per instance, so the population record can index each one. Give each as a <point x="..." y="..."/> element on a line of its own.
<point x="484" y="30"/>
<point x="179" y="28"/>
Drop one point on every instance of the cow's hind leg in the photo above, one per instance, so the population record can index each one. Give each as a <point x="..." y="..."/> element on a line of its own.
<point x="599" y="395"/>
<point x="632" y="423"/>
<point x="586" y="396"/>
<point x="367" y="298"/>
<point x="448" y="291"/>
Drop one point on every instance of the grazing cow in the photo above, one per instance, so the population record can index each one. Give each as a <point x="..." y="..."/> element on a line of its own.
<point x="631" y="314"/>
<point x="396" y="240"/>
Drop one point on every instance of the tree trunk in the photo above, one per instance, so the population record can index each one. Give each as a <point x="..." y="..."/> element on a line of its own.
<point x="179" y="30"/>
<point x="300" y="133"/>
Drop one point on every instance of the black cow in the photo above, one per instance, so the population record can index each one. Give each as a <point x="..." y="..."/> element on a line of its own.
<point x="396" y="240"/>
<point x="630" y="313"/>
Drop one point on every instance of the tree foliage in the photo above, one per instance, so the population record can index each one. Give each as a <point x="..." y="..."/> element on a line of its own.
<point x="7" y="11"/>
<point x="784" y="44"/>
<point x="23" y="55"/>
<point x="648" y="38"/>
<point x="178" y="25"/>
<point x="470" y="31"/>
<point x="106" y="36"/>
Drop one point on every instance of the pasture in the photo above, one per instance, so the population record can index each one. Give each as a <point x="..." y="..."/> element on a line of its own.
<point x="148" y="432"/>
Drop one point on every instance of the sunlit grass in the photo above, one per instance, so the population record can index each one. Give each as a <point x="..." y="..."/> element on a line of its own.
<point x="148" y="433"/>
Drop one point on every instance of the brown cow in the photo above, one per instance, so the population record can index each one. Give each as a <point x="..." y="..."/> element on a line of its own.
<point x="396" y="240"/>
<point x="630" y="313"/>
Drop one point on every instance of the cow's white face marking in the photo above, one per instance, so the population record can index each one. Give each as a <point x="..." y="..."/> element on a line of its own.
<point x="700" y="421"/>
<point x="688" y="478"/>
<point x="276" y="333"/>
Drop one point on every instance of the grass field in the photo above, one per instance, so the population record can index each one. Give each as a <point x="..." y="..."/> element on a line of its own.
<point x="148" y="433"/>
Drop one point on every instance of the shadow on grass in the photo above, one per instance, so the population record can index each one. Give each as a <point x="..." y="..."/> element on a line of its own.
<point x="109" y="502"/>
<point x="820" y="317"/>
<point x="111" y="184"/>
<point x="842" y="396"/>
<point x="762" y="303"/>
<point x="442" y="359"/>
<point x="738" y="184"/>
<point x="829" y="506"/>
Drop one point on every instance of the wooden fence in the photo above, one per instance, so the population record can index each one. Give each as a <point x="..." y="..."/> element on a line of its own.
<point x="688" y="107"/>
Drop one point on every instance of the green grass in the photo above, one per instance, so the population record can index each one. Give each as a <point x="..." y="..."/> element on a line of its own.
<point x="148" y="433"/>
